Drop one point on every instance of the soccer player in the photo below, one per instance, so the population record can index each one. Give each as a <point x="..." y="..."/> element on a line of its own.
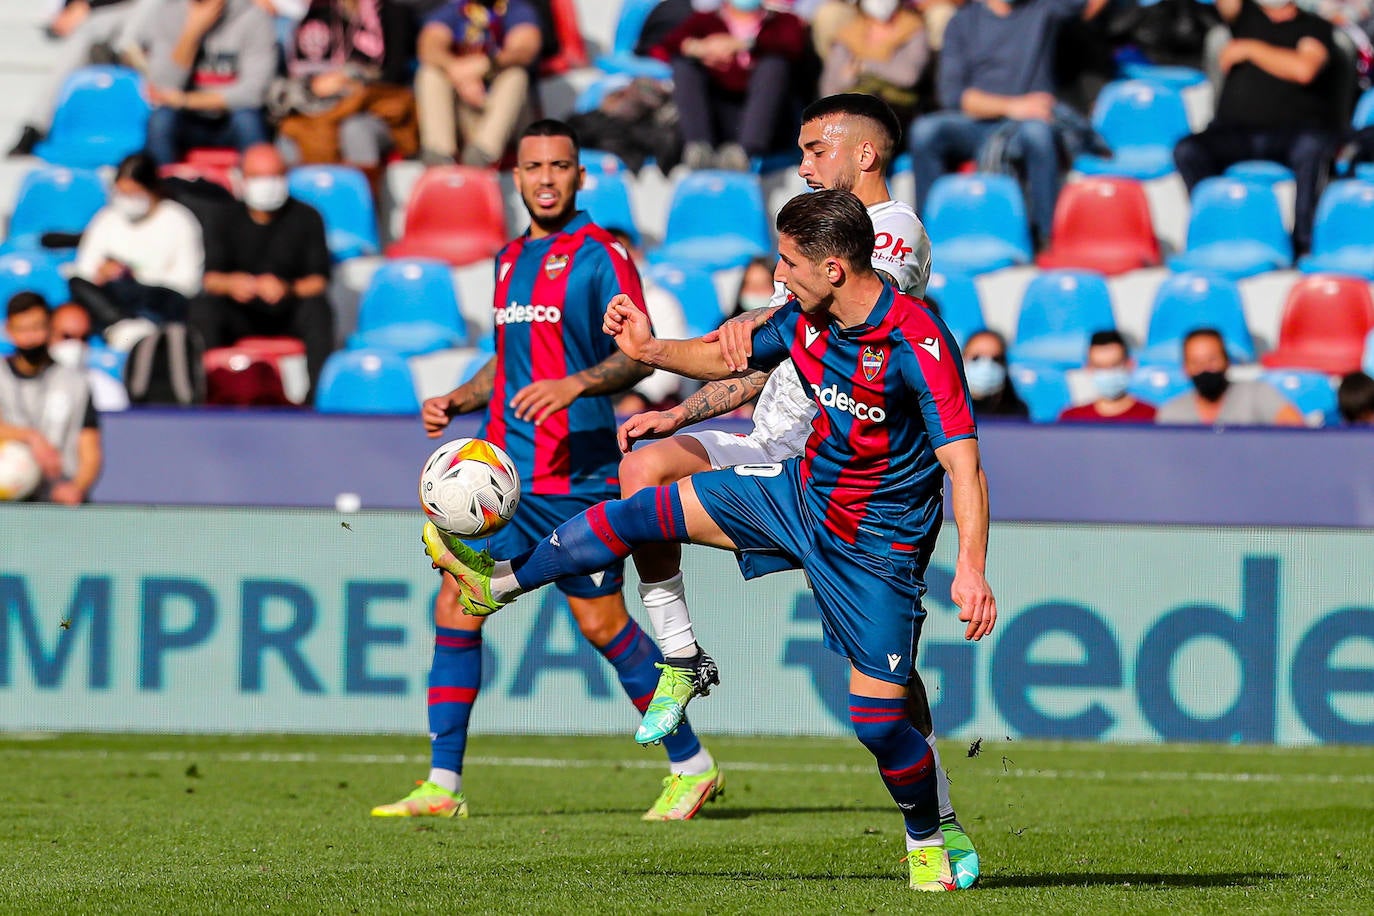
<point x="546" y="398"/>
<point x="859" y="511"/>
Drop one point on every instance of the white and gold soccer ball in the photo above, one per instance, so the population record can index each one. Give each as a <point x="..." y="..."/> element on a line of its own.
<point x="19" y="471"/>
<point x="469" y="487"/>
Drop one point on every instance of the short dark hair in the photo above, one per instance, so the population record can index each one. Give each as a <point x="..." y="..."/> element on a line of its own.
<point x="829" y="224"/>
<point x="1203" y="332"/>
<point x="1108" y="337"/>
<point x="859" y="105"/>
<point x="142" y="168"/>
<point x="1355" y="397"/>
<point x="25" y="301"/>
<point x="552" y="127"/>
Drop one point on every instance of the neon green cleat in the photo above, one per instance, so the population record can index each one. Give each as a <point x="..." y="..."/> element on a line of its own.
<point x="963" y="858"/>
<point x="428" y="800"/>
<point x="677" y="684"/>
<point x="471" y="569"/>
<point x="683" y="796"/>
<point x="930" y="869"/>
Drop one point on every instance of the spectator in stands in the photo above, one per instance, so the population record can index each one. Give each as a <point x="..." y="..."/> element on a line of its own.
<point x="69" y="343"/>
<point x="882" y="51"/>
<point x="47" y="406"/>
<point x="996" y="86"/>
<point x="1109" y="369"/>
<point x="1278" y="102"/>
<point x="985" y="369"/>
<point x="142" y="254"/>
<point x="210" y="65"/>
<point x="1218" y="401"/>
<point x="287" y="14"/>
<point x="756" y="287"/>
<point x="733" y="74"/>
<point x="473" y="85"/>
<point x="662" y="389"/>
<point x="267" y="267"/>
<point x="1355" y="399"/>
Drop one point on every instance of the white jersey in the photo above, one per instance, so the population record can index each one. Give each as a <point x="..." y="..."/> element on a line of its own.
<point x="784" y="410"/>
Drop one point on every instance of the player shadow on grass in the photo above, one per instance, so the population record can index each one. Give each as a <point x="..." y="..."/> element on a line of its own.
<point x="727" y="813"/>
<point x="1135" y="879"/>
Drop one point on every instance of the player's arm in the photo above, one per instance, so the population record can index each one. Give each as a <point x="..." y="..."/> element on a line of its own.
<point x="474" y="394"/>
<point x="969" y="500"/>
<point x="697" y="358"/>
<point x="612" y="375"/>
<point x="711" y="400"/>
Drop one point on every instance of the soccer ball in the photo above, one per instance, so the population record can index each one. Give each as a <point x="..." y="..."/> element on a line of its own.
<point x="19" y="471"/>
<point x="469" y="487"/>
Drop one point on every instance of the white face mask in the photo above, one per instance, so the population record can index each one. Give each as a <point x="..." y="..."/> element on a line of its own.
<point x="69" y="353"/>
<point x="132" y="207"/>
<point x="881" y="10"/>
<point x="751" y="301"/>
<point x="267" y="193"/>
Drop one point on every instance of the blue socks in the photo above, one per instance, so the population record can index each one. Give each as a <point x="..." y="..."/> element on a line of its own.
<point x="904" y="760"/>
<point x="633" y="655"/>
<point x="454" y="678"/>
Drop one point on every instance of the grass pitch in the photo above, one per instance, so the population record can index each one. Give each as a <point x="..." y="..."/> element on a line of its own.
<point x="141" y="824"/>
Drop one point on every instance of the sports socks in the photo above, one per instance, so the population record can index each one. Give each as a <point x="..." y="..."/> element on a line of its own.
<point x="941" y="782"/>
<point x="904" y="762"/>
<point x="633" y="655"/>
<point x="455" y="676"/>
<point x="666" y="604"/>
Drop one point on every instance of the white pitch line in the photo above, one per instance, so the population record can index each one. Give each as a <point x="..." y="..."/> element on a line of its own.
<point x="655" y="764"/>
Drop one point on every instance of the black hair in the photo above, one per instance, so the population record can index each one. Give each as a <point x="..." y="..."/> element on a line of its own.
<point x="1108" y="337"/>
<point x="552" y="127"/>
<point x="859" y="105"/>
<point x="142" y="169"/>
<point x="1195" y="333"/>
<point x="829" y="224"/>
<point x="24" y="301"/>
<point x="1355" y="397"/>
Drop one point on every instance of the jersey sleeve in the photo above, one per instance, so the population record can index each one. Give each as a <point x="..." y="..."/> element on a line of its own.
<point x="935" y="378"/>
<point x="773" y="338"/>
<point x="901" y="249"/>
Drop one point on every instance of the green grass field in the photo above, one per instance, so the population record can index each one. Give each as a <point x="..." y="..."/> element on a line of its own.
<point x="140" y="824"/>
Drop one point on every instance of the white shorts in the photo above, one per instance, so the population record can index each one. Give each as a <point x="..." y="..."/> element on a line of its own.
<point x="727" y="450"/>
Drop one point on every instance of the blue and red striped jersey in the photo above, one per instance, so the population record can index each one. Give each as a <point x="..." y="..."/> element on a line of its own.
<point x="889" y="392"/>
<point x="551" y="296"/>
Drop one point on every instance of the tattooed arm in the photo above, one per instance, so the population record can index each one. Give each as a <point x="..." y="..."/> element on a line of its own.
<point x="474" y="394"/>
<point x="617" y="372"/>
<point x="712" y="400"/>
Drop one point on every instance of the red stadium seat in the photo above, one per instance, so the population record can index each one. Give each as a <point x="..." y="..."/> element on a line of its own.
<point x="572" y="49"/>
<point x="455" y="214"/>
<point x="1102" y="224"/>
<point x="1325" y="321"/>
<point x="249" y="373"/>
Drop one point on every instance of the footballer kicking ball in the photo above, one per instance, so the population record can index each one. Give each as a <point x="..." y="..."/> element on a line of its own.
<point x="469" y="487"/>
<point x="19" y="471"/>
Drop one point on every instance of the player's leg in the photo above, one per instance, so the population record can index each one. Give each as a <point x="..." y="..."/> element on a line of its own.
<point x="455" y="676"/>
<point x="963" y="857"/>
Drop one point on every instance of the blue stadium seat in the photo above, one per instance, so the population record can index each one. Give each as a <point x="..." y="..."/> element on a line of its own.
<point x="1043" y="388"/>
<point x="977" y="223"/>
<point x="53" y="199"/>
<point x="716" y="221"/>
<point x="622" y="58"/>
<point x="407" y="291"/>
<point x="1343" y="231"/>
<point x="1060" y="311"/>
<point x="597" y="162"/>
<point x="606" y="198"/>
<point x="695" y="292"/>
<point x="1157" y="384"/>
<point x="1364" y="111"/>
<point x="344" y="199"/>
<point x="1235" y="230"/>
<point x="590" y="99"/>
<point x="1365" y="171"/>
<point x="408" y="338"/>
<point x="101" y="117"/>
<point x="956" y="297"/>
<point x="366" y="381"/>
<point x="33" y="271"/>
<point x="1188" y="301"/>
<point x="1176" y="78"/>
<point x="1311" y="392"/>
<point x="110" y="362"/>
<point x="1141" y="121"/>
<point x="1258" y="171"/>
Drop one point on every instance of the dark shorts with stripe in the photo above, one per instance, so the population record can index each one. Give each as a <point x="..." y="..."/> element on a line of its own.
<point x="870" y="605"/>
<point x="535" y="519"/>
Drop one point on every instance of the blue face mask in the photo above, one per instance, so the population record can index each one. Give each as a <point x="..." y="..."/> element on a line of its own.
<point x="986" y="376"/>
<point x="1110" y="384"/>
<point x="746" y="6"/>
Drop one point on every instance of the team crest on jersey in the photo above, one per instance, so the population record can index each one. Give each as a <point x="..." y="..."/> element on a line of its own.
<point x="554" y="265"/>
<point x="872" y="362"/>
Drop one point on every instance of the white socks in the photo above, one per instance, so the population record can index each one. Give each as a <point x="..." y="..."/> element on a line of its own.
<point x="941" y="781"/>
<point x="935" y="839"/>
<point x="448" y="779"/>
<point x="666" y="603"/>
<point x="695" y="765"/>
<point x="504" y="586"/>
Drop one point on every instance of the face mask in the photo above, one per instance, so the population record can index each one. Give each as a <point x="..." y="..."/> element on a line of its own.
<point x="746" y="6"/>
<point x="985" y="375"/>
<point x="1110" y="384"/>
<point x="1273" y="4"/>
<point x="267" y="194"/>
<point x="750" y="301"/>
<point x="131" y="206"/>
<point x="69" y="353"/>
<point x="881" y="10"/>
<point x="1210" y="385"/>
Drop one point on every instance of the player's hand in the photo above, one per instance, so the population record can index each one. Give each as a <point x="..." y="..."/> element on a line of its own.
<point x="973" y="596"/>
<point x="435" y="414"/>
<point x="652" y="424"/>
<point x="66" y="493"/>
<point x="629" y="326"/>
<point x="736" y="337"/>
<point x="536" y="401"/>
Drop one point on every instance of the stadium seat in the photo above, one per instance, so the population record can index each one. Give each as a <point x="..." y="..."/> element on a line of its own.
<point x="367" y="382"/>
<point x="977" y="223"/>
<point x="1343" y="231"/>
<point x="1261" y="172"/>
<point x="404" y="292"/>
<point x="572" y="47"/>
<point x="622" y="58"/>
<point x="1364" y="111"/>
<point x="408" y="338"/>
<point x="1141" y="121"/>
<point x="590" y="99"/>
<point x="1060" y="311"/>
<point x="101" y="117"/>
<point x="1325" y="321"/>
<point x="1186" y="302"/>
<point x="53" y="199"/>
<point x="33" y="271"/>
<point x="1043" y="388"/>
<point x="344" y="199"/>
<point x="1176" y="78"/>
<point x="1312" y="393"/>
<point x="455" y="214"/>
<point x="239" y="378"/>
<point x="695" y="292"/>
<point x="1102" y="224"/>
<point x="1235" y="230"/>
<point x="1157" y="384"/>
<point x="598" y="162"/>
<point x="716" y="221"/>
<point x="606" y="198"/>
<point x="956" y="298"/>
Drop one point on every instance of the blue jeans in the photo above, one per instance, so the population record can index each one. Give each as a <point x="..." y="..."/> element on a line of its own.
<point x="942" y="136"/>
<point x="171" y="131"/>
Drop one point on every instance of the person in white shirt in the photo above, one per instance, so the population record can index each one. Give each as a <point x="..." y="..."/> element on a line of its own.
<point x="142" y="255"/>
<point x="665" y="312"/>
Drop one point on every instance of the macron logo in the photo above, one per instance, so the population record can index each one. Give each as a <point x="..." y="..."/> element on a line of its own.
<point x="597" y="578"/>
<point x="553" y="540"/>
<point x="811" y="335"/>
<point x="505" y="269"/>
<point x="931" y="345"/>
<point x="892" y="661"/>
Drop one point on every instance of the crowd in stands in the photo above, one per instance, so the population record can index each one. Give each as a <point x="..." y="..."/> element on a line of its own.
<point x="208" y="222"/>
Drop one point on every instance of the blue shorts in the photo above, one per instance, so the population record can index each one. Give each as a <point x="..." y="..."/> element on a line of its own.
<point x="870" y="605"/>
<point x="535" y="519"/>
